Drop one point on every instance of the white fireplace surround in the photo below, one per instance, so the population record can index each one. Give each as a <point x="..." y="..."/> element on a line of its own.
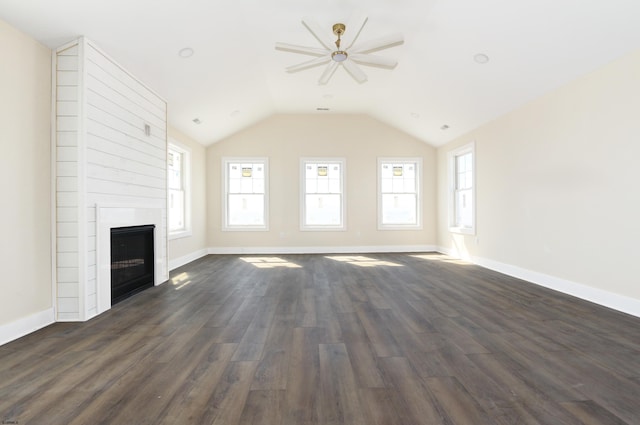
<point x="112" y="216"/>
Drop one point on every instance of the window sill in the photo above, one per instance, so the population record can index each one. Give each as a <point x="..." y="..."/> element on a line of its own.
<point x="179" y="234"/>
<point x="323" y="229"/>
<point x="245" y="229"/>
<point x="399" y="226"/>
<point x="463" y="230"/>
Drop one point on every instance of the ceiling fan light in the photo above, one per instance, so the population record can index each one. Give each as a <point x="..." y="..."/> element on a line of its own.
<point x="339" y="56"/>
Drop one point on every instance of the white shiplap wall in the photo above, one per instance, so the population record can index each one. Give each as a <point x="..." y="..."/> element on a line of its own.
<point x="104" y="157"/>
<point x="67" y="193"/>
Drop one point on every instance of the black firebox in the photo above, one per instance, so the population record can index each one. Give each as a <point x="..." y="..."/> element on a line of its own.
<point x="132" y="261"/>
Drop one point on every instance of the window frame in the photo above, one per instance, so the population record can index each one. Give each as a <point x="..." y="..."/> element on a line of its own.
<point x="226" y="227"/>
<point x="343" y="195"/>
<point x="454" y="226"/>
<point x="185" y="153"/>
<point x="418" y="191"/>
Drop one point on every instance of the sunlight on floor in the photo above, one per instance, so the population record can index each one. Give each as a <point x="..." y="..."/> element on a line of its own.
<point x="441" y="257"/>
<point x="270" y="262"/>
<point x="180" y="281"/>
<point x="362" y="261"/>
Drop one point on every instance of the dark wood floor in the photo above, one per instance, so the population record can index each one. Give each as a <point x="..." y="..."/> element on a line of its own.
<point x="305" y="339"/>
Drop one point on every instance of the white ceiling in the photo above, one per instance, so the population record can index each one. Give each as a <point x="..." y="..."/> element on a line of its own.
<point x="236" y="77"/>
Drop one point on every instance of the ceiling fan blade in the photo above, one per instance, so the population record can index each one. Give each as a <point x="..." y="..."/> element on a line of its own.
<point x="318" y="33"/>
<point x="371" y="60"/>
<point x="309" y="64"/>
<point x="379" y="43"/>
<point x="353" y="29"/>
<point x="315" y="51"/>
<point x="328" y="72"/>
<point x="355" y="71"/>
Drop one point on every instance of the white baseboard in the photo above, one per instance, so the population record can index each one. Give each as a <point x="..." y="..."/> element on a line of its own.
<point x="185" y="259"/>
<point x="321" y="249"/>
<point x="21" y="327"/>
<point x="605" y="298"/>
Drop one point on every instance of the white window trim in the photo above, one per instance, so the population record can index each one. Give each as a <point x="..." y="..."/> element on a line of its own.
<point x="343" y="183"/>
<point x="225" y="185"/>
<point x="451" y="165"/>
<point x="186" y="175"/>
<point x="418" y="225"/>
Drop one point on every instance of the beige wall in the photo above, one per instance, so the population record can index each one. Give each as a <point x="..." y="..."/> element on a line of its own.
<point x="25" y="173"/>
<point x="284" y="139"/>
<point x="190" y="245"/>
<point x="557" y="183"/>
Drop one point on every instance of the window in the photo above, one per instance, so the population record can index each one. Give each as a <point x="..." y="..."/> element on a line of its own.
<point x="322" y="199"/>
<point x="462" y="190"/>
<point x="246" y="182"/>
<point x="179" y="191"/>
<point x="399" y="196"/>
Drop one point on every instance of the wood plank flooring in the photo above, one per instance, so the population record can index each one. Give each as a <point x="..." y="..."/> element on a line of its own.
<point x="380" y="339"/>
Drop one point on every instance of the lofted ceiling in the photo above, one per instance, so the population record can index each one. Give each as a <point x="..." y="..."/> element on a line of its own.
<point x="236" y="77"/>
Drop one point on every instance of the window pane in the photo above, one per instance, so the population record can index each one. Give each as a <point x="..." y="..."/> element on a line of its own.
<point x="312" y="186"/>
<point x="235" y="171"/>
<point x="410" y="186"/>
<point x="258" y="185"/>
<point x="176" y="210"/>
<point x="464" y="210"/>
<point x="323" y="210"/>
<point x="311" y="171"/>
<point x="334" y="171"/>
<point x="334" y="186"/>
<point x="246" y="178"/>
<point x="246" y="185"/>
<point x="397" y="186"/>
<point x="410" y="171"/>
<point x="174" y="169"/>
<point x="234" y="185"/>
<point x="258" y="171"/>
<point x="399" y="209"/>
<point x="386" y="171"/>
<point x="386" y="185"/>
<point x="246" y="209"/>
<point x="323" y="185"/>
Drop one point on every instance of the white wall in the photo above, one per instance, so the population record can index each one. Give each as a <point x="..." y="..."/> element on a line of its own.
<point x="25" y="214"/>
<point x="186" y="249"/>
<point x="104" y="157"/>
<point x="557" y="188"/>
<point x="284" y="139"/>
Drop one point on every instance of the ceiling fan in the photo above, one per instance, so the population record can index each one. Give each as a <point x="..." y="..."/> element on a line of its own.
<point x="343" y="51"/>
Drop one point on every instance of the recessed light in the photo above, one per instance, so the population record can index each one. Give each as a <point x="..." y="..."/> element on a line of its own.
<point x="444" y="127"/>
<point x="197" y="120"/>
<point x="187" y="52"/>
<point x="481" y="58"/>
<point x="322" y="109"/>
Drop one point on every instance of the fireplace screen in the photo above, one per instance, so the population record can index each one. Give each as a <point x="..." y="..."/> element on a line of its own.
<point x="132" y="261"/>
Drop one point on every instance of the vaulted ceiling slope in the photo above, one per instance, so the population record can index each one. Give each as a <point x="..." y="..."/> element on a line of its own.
<point x="236" y="77"/>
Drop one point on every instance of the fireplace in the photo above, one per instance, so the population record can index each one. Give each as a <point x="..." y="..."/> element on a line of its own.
<point x="113" y="216"/>
<point x="132" y="261"/>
